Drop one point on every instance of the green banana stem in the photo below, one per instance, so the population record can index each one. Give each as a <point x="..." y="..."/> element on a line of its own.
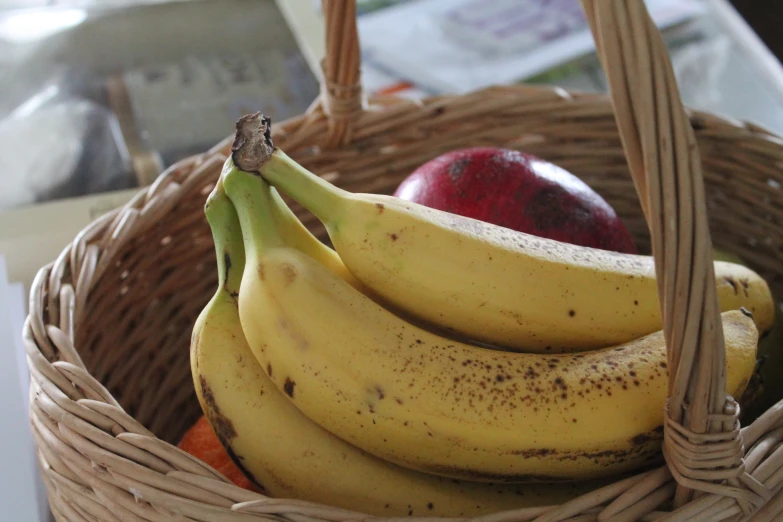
<point x="312" y="192"/>
<point x="227" y="236"/>
<point x="295" y="233"/>
<point x="252" y="199"/>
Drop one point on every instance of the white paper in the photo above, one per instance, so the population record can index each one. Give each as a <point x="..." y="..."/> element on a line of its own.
<point x="459" y="46"/>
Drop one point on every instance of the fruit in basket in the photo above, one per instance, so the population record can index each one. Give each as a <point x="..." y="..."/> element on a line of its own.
<point x="766" y="388"/>
<point x="519" y="191"/>
<point x="287" y="453"/>
<point x="201" y="441"/>
<point x="489" y="283"/>
<point x="428" y="403"/>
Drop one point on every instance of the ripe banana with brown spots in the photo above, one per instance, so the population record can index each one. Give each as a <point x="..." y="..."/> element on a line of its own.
<point x="493" y="284"/>
<point x="284" y="452"/>
<point x="435" y="405"/>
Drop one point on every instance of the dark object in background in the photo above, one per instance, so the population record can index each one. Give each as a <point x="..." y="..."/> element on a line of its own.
<point x="764" y="17"/>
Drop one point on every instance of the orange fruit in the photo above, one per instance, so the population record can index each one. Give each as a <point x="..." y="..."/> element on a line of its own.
<point x="201" y="442"/>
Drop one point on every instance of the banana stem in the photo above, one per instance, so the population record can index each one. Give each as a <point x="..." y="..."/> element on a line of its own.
<point x="312" y="192"/>
<point x="253" y="151"/>
<point x="252" y="200"/>
<point x="296" y="235"/>
<point x="227" y="236"/>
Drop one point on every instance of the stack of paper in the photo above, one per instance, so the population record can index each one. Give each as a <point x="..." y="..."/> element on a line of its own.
<point x="449" y="46"/>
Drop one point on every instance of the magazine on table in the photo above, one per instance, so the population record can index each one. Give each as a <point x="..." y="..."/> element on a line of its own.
<point x="448" y="46"/>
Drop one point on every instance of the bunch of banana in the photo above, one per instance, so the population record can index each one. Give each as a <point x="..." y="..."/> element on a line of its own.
<point x="283" y="452"/>
<point x="323" y="389"/>
<point x="494" y="285"/>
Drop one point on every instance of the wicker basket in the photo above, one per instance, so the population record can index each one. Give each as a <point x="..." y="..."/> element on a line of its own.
<point x="108" y="333"/>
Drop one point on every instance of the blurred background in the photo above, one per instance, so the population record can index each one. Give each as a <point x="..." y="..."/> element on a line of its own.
<point x="100" y="96"/>
<point x="97" y="98"/>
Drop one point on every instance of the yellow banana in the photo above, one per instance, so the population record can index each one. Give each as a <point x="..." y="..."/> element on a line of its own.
<point x="428" y="403"/>
<point x="492" y="284"/>
<point x="287" y="454"/>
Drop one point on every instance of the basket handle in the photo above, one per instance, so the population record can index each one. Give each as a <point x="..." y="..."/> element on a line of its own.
<point x="341" y="90"/>
<point x="702" y="423"/>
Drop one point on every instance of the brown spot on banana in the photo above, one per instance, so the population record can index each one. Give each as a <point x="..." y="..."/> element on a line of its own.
<point x="646" y="445"/>
<point x="289" y="273"/>
<point x="237" y="459"/>
<point x="222" y="425"/>
<point x="288" y="387"/>
<point x="227" y="264"/>
<point x="643" y="438"/>
<point x="733" y="284"/>
<point x="495" y="478"/>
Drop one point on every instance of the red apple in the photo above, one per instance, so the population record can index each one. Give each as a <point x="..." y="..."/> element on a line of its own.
<point x="518" y="191"/>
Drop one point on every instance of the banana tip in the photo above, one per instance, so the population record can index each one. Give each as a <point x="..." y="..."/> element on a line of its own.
<point x="252" y="142"/>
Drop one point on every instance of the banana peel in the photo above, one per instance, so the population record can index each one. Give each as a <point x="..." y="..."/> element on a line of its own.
<point x="766" y="386"/>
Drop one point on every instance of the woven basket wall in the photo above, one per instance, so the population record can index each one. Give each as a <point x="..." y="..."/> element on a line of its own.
<point x="110" y="319"/>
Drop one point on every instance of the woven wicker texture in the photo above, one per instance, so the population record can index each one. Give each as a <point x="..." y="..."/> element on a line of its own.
<point x="109" y="327"/>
